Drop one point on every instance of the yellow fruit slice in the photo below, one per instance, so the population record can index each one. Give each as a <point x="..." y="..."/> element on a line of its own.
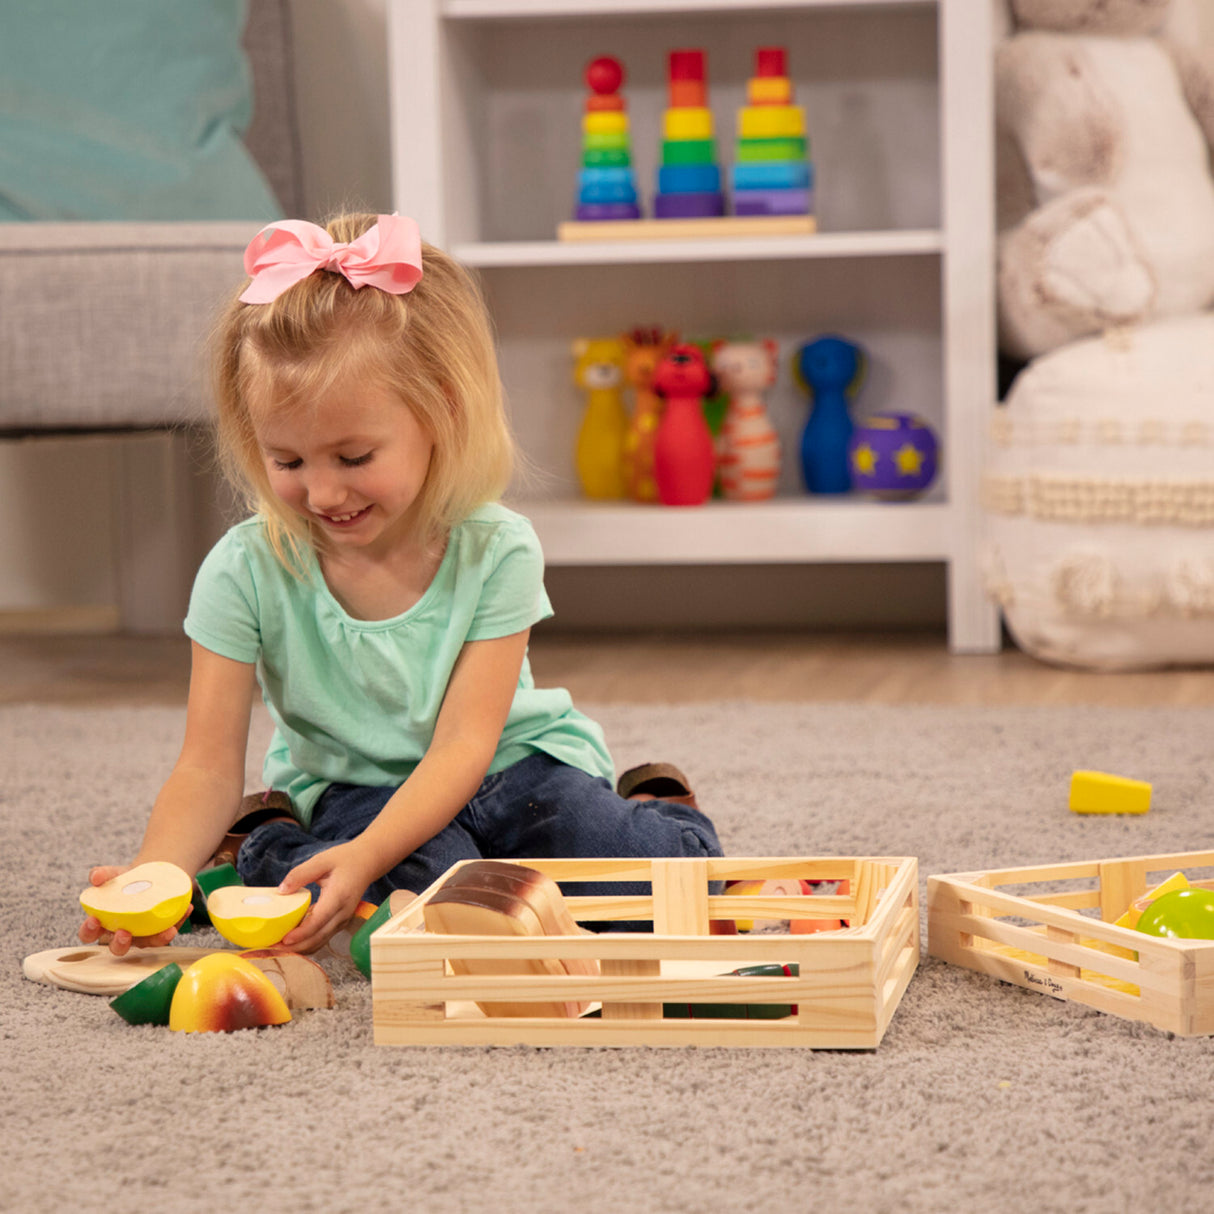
<point x="255" y="916"/>
<point x="144" y="900"/>
<point x="223" y="992"/>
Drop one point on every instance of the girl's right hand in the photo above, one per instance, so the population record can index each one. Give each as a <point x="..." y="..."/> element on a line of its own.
<point x="120" y="942"/>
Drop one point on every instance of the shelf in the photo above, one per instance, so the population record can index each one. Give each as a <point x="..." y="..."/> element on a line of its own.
<point x="739" y="248"/>
<point x="486" y="105"/>
<point x="499" y="10"/>
<point x="804" y="530"/>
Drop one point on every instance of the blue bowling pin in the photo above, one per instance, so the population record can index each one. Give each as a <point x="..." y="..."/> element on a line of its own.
<point x="831" y="368"/>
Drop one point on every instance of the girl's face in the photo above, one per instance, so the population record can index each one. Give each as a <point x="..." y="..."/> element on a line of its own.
<point x="352" y="463"/>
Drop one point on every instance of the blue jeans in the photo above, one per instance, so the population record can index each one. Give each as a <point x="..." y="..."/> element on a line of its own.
<point x="539" y="808"/>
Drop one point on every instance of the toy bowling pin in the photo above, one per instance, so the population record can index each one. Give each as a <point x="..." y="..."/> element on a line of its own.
<point x="832" y="369"/>
<point x="599" y="369"/>
<point x="644" y="349"/>
<point x="684" y="455"/>
<point x="748" y="445"/>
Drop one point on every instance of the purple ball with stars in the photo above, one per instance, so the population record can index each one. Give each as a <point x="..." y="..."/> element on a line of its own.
<point x="893" y="455"/>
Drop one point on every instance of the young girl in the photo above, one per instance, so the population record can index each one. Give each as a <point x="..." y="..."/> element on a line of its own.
<point x="381" y="599"/>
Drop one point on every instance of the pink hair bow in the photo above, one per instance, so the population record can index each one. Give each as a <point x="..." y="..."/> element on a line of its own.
<point x="388" y="255"/>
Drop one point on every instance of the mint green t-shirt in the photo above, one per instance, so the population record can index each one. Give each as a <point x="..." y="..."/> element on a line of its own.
<point x="356" y="701"/>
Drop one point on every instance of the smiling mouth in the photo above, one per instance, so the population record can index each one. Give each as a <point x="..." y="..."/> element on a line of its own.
<point x="344" y="520"/>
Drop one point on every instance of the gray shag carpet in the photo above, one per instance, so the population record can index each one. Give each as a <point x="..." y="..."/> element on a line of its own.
<point x="982" y="1097"/>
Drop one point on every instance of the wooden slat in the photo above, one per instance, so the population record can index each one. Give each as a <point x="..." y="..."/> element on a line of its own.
<point x="1121" y="881"/>
<point x="833" y="948"/>
<point x="1082" y="899"/>
<point x="680" y="897"/>
<point x="631" y="1010"/>
<point x="897" y="981"/>
<point x="1037" y="978"/>
<point x="1034" y="874"/>
<point x="1057" y="935"/>
<point x="659" y="1033"/>
<point x="688" y="229"/>
<point x="793" y="906"/>
<point x="864" y="892"/>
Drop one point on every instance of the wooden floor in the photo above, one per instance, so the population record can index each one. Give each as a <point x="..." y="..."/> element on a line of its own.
<point x="877" y="669"/>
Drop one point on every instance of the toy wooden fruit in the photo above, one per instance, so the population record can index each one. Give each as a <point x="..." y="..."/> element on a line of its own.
<point x="1184" y="914"/>
<point x="148" y="1002"/>
<point x="360" y="942"/>
<point x="492" y="898"/>
<point x="340" y="942"/>
<point x="299" y="980"/>
<point x="144" y="900"/>
<point x="255" y="916"/>
<point x="221" y="993"/>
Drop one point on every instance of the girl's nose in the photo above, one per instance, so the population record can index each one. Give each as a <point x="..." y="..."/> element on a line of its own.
<point x="325" y="492"/>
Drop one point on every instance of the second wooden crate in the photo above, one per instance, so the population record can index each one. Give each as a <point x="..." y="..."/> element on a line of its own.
<point x="847" y="986"/>
<point x="1051" y="928"/>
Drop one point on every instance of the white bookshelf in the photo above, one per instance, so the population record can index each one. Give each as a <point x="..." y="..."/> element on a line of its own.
<point x="486" y="104"/>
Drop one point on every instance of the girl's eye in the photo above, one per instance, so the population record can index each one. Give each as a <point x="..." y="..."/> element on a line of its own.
<point x="356" y="461"/>
<point x="286" y="465"/>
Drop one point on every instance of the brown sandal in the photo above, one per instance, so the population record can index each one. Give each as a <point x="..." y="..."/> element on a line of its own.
<point x="656" y="782"/>
<point x="665" y="782"/>
<point x="255" y="810"/>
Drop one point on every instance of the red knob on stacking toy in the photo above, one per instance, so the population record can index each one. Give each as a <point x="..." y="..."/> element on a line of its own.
<point x="604" y="74"/>
<point x="771" y="61"/>
<point x="686" y="65"/>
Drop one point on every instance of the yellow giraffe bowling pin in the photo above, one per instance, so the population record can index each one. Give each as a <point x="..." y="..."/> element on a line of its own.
<point x="599" y="370"/>
<point x="644" y="349"/>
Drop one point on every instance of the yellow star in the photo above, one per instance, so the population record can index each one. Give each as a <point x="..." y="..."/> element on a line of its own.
<point x="864" y="459"/>
<point x="909" y="459"/>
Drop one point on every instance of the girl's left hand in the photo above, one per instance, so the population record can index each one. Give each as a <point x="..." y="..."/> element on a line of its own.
<point x="343" y="877"/>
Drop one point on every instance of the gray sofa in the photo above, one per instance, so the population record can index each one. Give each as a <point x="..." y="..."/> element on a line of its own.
<point x="100" y="322"/>
<point x="102" y="329"/>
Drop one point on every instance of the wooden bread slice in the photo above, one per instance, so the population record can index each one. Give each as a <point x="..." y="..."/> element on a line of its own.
<point x="491" y="898"/>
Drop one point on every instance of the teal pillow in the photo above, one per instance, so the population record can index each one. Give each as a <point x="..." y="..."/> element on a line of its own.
<point x="126" y="109"/>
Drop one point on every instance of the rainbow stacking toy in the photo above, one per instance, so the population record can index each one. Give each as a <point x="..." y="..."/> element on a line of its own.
<point x="689" y="179"/>
<point x="606" y="183"/>
<point x="773" y="174"/>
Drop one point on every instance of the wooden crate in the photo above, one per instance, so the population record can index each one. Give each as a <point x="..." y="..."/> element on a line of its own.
<point x="1051" y="929"/>
<point x="849" y="982"/>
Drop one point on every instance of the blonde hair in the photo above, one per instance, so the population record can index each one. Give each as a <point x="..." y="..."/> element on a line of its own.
<point x="433" y="348"/>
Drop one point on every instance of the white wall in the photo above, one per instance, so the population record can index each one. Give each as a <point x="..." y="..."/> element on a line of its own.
<point x="341" y="49"/>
